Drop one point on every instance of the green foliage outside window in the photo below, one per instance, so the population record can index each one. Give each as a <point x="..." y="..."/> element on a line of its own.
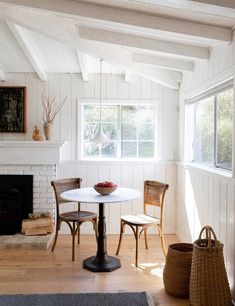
<point x="213" y="130"/>
<point x="131" y="129"/>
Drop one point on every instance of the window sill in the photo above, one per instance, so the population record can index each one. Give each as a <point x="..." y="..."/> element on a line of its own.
<point x="210" y="169"/>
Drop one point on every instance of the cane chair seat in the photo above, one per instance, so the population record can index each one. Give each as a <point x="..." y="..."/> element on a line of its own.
<point x="74" y="219"/>
<point x="77" y="216"/>
<point x="154" y="195"/>
<point x="140" y="219"/>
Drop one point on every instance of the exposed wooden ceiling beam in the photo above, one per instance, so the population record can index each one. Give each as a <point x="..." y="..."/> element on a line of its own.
<point x="67" y="33"/>
<point x="225" y="3"/>
<point x="83" y="65"/>
<point x="141" y="42"/>
<point x="25" y="43"/>
<point x="164" y="62"/>
<point x="2" y="76"/>
<point x="130" y="17"/>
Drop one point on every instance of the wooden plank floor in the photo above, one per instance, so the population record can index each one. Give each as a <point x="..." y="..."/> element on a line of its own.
<point x="43" y="271"/>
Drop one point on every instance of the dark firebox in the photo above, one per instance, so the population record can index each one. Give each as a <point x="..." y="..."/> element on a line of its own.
<point x="16" y="201"/>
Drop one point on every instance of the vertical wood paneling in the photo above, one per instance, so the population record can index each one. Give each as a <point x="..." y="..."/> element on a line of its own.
<point x="31" y="84"/>
<point x="213" y="194"/>
<point x="77" y="93"/>
<point x="134" y="87"/>
<point x="89" y="88"/>
<point x="54" y="85"/>
<point x="123" y="88"/>
<point x="207" y="199"/>
<point x="111" y="87"/>
<point x="230" y="243"/>
<point x="145" y="89"/>
<point x="65" y="120"/>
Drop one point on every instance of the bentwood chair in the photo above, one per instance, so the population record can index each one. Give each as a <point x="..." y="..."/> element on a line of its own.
<point x="154" y="195"/>
<point x="74" y="219"/>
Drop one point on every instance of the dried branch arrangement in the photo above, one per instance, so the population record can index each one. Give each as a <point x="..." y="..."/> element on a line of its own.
<point x="50" y="109"/>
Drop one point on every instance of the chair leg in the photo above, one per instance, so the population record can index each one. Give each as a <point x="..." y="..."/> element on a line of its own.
<point x="146" y="238"/>
<point x="163" y="243"/>
<point x="120" y="237"/>
<point x="78" y="232"/>
<point x="73" y="240"/>
<point x="136" y="245"/>
<point x="56" y="235"/>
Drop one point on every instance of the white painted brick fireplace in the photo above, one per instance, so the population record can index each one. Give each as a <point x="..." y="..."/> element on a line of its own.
<point x="40" y="159"/>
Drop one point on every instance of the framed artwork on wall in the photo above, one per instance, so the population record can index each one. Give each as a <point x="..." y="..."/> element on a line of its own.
<point x="12" y="109"/>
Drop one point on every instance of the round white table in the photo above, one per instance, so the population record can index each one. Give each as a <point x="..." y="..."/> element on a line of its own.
<point x="101" y="262"/>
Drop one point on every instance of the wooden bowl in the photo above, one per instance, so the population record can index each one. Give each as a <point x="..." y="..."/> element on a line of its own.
<point x="105" y="190"/>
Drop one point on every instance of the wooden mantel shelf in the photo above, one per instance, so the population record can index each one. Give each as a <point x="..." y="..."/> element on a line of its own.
<point x="30" y="152"/>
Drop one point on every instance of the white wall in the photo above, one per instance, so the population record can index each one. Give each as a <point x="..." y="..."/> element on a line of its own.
<point x="66" y="126"/>
<point x="205" y="197"/>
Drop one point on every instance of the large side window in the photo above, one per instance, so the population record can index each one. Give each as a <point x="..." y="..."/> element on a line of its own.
<point x="131" y="130"/>
<point x="213" y="129"/>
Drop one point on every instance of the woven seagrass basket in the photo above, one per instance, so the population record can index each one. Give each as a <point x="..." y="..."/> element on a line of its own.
<point x="176" y="272"/>
<point x="208" y="284"/>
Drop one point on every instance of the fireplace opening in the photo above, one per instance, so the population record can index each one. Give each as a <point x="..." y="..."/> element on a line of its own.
<point x="16" y="202"/>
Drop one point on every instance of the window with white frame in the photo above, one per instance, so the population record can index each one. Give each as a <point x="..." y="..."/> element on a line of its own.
<point x="213" y="128"/>
<point x="131" y="130"/>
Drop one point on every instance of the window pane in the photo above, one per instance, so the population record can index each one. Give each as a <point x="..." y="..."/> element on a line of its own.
<point x="146" y="114"/>
<point x="129" y="131"/>
<point x="129" y="113"/>
<point x="146" y="131"/>
<point x="129" y="149"/>
<point x="146" y="149"/>
<point x="90" y="150"/>
<point x="110" y="129"/>
<point x="204" y="136"/>
<point x="109" y="150"/>
<point x="109" y="113"/>
<point x="91" y="113"/>
<point x="224" y="129"/>
<point x="89" y="131"/>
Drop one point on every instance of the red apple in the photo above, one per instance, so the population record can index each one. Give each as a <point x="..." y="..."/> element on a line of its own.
<point x="105" y="184"/>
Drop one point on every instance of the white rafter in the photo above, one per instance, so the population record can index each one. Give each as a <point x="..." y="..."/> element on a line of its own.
<point x="83" y="65"/>
<point x="164" y="62"/>
<point x="2" y="76"/>
<point x="144" y="43"/>
<point x="64" y="31"/>
<point x="226" y="3"/>
<point x="130" y="17"/>
<point x="25" y="43"/>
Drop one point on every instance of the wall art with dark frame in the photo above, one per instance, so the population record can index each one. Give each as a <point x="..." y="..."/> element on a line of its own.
<point x="13" y="109"/>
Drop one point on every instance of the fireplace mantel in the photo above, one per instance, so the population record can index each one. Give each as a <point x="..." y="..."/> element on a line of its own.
<point x="30" y="152"/>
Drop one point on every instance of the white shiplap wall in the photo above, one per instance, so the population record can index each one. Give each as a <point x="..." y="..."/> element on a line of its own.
<point x="205" y="197"/>
<point x="66" y="127"/>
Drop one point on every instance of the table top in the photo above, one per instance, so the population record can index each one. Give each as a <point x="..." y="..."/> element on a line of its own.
<point x="89" y="195"/>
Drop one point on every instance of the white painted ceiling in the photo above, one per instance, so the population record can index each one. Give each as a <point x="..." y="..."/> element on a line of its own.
<point x="156" y="39"/>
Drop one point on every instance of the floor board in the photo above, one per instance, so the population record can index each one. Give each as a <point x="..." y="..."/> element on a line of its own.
<point x="43" y="271"/>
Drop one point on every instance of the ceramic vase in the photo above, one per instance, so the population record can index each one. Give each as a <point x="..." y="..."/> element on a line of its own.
<point x="47" y="130"/>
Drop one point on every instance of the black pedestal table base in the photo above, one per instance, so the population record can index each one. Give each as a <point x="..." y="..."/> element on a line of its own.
<point x="109" y="264"/>
<point x="101" y="262"/>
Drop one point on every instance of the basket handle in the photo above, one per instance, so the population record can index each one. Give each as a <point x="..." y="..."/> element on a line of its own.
<point x="209" y="231"/>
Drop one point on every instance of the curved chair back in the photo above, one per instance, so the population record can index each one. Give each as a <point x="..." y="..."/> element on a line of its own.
<point x="62" y="185"/>
<point x="154" y="195"/>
